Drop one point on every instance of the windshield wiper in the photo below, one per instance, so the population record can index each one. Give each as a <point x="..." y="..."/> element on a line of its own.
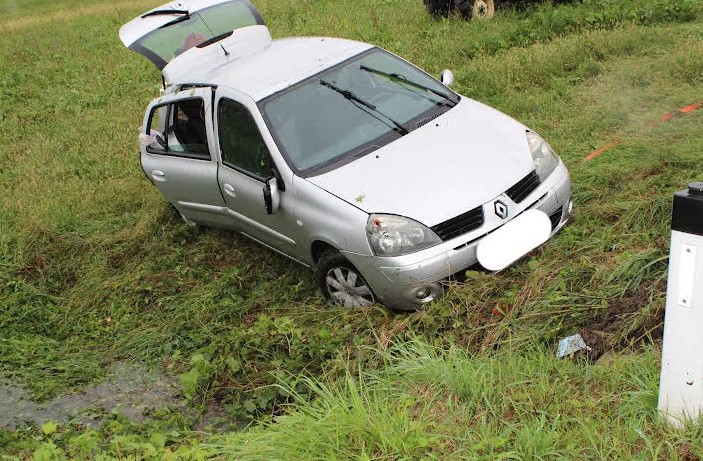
<point x="163" y="13"/>
<point x="352" y="97"/>
<point x="183" y="18"/>
<point x="214" y="39"/>
<point x="401" y="78"/>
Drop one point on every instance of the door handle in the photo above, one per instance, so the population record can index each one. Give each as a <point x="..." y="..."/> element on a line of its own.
<point x="158" y="175"/>
<point x="229" y="190"/>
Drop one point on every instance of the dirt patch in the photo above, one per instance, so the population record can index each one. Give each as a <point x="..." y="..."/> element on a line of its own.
<point x="625" y="323"/>
<point x="687" y="453"/>
<point x="129" y="390"/>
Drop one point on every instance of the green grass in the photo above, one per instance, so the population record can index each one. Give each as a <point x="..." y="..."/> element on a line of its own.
<point x="428" y="404"/>
<point x="94" y="268"/>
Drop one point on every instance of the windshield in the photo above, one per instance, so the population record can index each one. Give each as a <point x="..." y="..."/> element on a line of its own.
<point x="352" y="109"/>
<point x="189" y="30"/>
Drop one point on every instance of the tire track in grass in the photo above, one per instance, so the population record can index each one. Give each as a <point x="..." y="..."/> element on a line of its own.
<point x="22" y="23"/>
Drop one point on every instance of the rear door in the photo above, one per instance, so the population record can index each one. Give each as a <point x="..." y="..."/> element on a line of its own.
<point x="176" y="154"/>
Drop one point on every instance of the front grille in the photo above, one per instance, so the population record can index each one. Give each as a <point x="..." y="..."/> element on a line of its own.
<point x="555" y="217"/>
<point x="460" y="225"/>
<point x="523" y="188"/>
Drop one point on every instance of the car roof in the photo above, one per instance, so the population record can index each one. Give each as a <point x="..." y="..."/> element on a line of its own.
<point x="279" y="65"/>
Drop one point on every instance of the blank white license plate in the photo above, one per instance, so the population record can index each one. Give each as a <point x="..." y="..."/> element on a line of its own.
<point x="514" y="240"/>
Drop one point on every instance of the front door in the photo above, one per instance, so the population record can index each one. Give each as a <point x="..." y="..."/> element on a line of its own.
<point x="176" y="154"/>
<point x="246" y="164"/>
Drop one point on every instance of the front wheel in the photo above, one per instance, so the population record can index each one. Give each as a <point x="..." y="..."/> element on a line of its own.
<point x="341" y="283"/>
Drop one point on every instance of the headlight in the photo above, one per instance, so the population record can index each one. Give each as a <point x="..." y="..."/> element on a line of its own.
<point x="391" y="235"/>
<point x="546" y="160"/>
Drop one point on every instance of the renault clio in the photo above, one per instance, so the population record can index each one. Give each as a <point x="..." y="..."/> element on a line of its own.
<point x="339" y="155"/>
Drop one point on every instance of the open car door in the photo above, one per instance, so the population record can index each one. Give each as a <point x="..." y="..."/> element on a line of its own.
<point x="177" y="154"/>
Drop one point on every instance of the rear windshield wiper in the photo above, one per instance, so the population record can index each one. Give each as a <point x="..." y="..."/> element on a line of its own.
<point x="352" y="97"/>
<point x="183" y="18"/>
<point x="401" y="78"/>
<point x="164" y="12"/>
<point x="214" y="39"/>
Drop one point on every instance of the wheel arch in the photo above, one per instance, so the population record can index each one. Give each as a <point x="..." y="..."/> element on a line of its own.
<point x="318" y="248"/>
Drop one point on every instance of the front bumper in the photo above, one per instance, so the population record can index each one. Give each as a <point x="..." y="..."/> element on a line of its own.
<point x="399" y="282"/>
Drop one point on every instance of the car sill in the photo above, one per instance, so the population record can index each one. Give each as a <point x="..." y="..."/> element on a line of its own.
<point x="274" y="249"/>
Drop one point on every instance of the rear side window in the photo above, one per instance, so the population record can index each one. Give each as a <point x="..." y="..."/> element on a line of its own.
<point x="178" y="129"/>
<point x="242" y="146"/>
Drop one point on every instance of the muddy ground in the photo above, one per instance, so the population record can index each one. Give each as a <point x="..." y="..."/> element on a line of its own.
<point x="623" y="325"/>
<point x="129" y="390"/>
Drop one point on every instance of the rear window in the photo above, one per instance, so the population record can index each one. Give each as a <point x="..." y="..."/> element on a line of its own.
<point x="186" y="31"/>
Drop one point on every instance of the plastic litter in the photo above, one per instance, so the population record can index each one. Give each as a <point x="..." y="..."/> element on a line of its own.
<point x="570" y="345"/>
<point x="148" y="139"/>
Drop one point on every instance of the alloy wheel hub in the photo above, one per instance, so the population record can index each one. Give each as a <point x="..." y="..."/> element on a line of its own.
<point x="347" y="288"/>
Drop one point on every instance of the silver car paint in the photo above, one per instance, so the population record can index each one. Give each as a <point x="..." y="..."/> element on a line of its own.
<point x="201" y="200"/>
<point x="307" y="213"/>
<point x="394" y="280"/>
<point x="451" y="165"/>
<point x="261" y="72"/>
<point x="465" y="158"/>
<point x="243" y="194"/>
<point x="310" y="214"/>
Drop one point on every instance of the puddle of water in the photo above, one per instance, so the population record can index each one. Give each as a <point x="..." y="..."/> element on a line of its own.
<point x="128" y="390"/>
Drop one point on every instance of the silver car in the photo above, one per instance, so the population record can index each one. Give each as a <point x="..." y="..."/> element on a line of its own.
<point x="339" y="155"/>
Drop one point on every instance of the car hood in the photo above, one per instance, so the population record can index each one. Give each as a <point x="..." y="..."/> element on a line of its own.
<point x="464" y="158"/>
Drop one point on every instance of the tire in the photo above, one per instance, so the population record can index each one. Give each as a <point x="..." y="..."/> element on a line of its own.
<point x="439" y="8"/>
<point x="476" y="9"/>
<point x="341" y="283"/>
<point x="479" y="9"/>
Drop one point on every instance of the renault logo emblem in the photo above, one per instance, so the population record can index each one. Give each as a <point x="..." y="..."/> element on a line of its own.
<point x="501" y="209"/>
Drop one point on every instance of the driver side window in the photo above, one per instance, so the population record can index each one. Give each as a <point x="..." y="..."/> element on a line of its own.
<point x="242" y="146"/>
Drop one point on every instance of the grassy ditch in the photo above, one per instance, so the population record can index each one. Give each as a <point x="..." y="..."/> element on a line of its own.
<point x="94" y="268"/>
<point x="427" y="404"/>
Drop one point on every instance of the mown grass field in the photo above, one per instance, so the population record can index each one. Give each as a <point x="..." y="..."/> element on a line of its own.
<point x="95" y="269"/>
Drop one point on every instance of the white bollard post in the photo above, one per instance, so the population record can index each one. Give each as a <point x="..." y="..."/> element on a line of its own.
<point x="681" y="382"/>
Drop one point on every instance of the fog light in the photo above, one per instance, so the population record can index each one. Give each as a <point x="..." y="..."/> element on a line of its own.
<point x="571" y="206"/>
<point x="424" y="292"/>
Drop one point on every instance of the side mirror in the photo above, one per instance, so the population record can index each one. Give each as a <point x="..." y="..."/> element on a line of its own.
<point x="272" y="195"/>
<point x="447" y="77"/>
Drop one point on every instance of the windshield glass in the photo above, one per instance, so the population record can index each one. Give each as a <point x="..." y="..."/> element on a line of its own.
<point x="189" y="30"/>
<point x="352" y="109"/>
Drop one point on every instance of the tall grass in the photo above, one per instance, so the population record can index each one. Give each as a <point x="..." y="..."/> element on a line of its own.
<point x="447" y="404"/>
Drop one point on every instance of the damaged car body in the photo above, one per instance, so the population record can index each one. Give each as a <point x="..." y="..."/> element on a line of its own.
<point x="339" y="155"/>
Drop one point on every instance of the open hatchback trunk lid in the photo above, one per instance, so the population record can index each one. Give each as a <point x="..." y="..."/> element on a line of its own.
<point x="168" y="31"/>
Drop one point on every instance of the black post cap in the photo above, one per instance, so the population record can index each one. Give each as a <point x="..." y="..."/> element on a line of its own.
<point x="695" y="189"/>
<point x="687" y="214"/>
